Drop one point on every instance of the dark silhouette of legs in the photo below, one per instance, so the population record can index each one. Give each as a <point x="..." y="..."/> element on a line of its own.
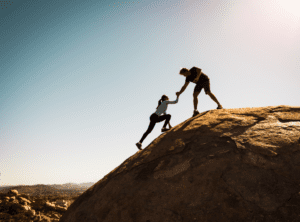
<point x="150" y="128"/>
<point x="153" y="120"/>
<point x="164" y="117"/>
<point x="197" y="90"/>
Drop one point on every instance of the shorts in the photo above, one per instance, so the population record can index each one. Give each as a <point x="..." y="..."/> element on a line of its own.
<point x="205" y="85"/>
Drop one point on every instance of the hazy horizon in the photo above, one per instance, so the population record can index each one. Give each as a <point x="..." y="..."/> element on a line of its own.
<point x="46" y="184"/>
<point x="80" y="79"/>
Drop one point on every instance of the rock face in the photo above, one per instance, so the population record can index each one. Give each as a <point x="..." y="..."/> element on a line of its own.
<point x="221" y="165"/>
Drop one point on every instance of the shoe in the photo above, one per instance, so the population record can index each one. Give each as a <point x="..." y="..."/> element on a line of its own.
<point x="139" y="145"/>
<point x="195" y="113"/>
<point x="220" y="107"/>
<point x="164" y="129"/>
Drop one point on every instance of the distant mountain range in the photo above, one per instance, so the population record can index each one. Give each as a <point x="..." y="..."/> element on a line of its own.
<point x="71" y="185"/>
<point x="48" y="188"/>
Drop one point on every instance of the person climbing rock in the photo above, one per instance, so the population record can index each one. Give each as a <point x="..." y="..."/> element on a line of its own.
<point x="158" y="116"/>
<point x="201" y="80"/>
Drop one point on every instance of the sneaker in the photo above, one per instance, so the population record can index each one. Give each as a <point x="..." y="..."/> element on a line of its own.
<point x="220" y="107"/>
<point x="164" y="129"/>
<point x="139" y="145"/>
<point x="195" y="113"/>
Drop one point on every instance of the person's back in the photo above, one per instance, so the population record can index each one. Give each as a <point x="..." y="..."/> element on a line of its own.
<point x="164" y="105"/>
<point x="194" y="72"/>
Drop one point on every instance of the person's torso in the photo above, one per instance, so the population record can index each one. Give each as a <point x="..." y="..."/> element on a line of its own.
<point x="162" y="108"/>
<point x="193" y="76"/>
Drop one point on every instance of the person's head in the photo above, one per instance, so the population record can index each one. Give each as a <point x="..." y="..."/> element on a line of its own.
<point x="163" y="98"/>
<point x="185" y="72"/>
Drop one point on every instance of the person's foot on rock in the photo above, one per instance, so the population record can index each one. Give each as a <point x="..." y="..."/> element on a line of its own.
<point x="139" y="145"/>
<point x="164" y="129"/>
<point x="220" y="107"/>
<point x="195" y="113"/>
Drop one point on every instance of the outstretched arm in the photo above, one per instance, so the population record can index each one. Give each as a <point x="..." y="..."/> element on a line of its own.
<point x="173" y="102"/>
<point x="183" y="88"/>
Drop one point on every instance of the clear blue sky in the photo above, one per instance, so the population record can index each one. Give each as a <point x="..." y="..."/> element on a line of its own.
<point x="80" y="79"/>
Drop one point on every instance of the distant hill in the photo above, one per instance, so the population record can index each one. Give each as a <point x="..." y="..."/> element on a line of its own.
<point x="54" y="189"/>
<point x="72" y="185"/>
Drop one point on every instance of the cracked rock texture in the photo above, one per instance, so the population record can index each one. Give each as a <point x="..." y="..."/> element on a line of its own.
<point x="222" y="165"/>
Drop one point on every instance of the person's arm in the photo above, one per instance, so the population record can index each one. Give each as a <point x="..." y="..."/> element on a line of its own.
<point x="173" y="102"/>
<point x="183" y="88"/>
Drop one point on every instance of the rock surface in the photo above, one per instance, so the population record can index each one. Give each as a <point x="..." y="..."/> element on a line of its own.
<point x="16" y="207"/>
<point x="221" y="165"/>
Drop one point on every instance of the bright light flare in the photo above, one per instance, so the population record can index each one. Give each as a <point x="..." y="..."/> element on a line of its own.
<point x="290" y="6"/>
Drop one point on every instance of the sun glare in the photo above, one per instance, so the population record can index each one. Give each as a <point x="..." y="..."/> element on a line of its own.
<point x="290" y="6"/>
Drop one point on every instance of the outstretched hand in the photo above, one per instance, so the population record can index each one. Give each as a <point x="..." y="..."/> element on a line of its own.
<point x="177" y="94"/>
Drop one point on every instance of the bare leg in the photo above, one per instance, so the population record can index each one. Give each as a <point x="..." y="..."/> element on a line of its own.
<point x="212" y="96"/>
<point x="195" y="103"/>
<point x="195" y="95"/>
<point x="170" y="126"/>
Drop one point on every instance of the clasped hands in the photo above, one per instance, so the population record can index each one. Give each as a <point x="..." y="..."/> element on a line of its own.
<point x="177" y="94"/>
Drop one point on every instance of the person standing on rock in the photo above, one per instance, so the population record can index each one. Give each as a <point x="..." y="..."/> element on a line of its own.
<point x="158" y="116"/>
<point x="196" y="75"/>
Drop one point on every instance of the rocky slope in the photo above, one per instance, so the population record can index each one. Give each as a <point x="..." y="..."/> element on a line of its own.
<point x="222" y="165"/>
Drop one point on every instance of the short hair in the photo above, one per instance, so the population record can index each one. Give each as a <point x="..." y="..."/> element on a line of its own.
<point x="183" y="70"/>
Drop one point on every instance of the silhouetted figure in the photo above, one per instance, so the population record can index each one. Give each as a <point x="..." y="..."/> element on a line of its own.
<point x="158" y="117"/>
<point x="196" y="75"/>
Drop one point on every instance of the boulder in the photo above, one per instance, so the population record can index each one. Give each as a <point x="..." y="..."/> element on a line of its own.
<point x="14" y="206"/>
<point x="53" y="206"/>
<point x="11" y="199"/>
<point x="24" y="201"/>
<point x="13" y="193"/>
<point x="49" y="205"/>
<point x="221" y="165"/>
<point x="30" y="213"/>
<point x="62" y="203"/>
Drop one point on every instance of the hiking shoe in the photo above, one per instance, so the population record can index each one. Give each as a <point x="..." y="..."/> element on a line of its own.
<point x="164" y="129"/>
<point x="139" y="145"/>
<point x="195" y="113"/>
<point x="220" y="107"/>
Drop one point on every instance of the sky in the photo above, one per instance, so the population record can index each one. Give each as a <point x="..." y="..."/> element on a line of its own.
<point x="80" y="79"/>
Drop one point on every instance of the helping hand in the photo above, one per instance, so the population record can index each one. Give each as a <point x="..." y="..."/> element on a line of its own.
<point x="177" y="94"/>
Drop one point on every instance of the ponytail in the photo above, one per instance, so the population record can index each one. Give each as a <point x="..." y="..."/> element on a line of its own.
<point x="159" y="102"/>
